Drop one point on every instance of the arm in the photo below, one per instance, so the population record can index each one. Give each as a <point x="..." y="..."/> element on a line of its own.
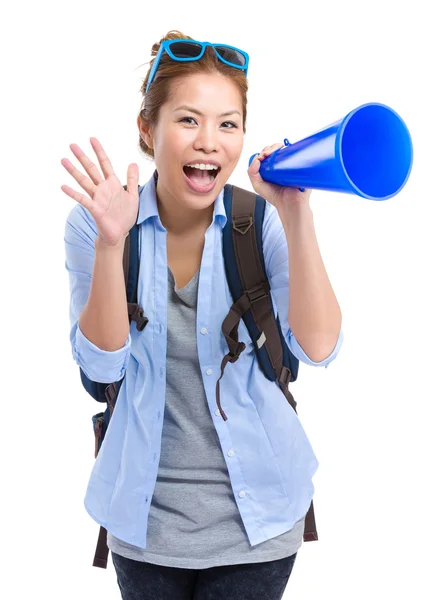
<point x="309" y="313"/>
<point x="100" y="335"/>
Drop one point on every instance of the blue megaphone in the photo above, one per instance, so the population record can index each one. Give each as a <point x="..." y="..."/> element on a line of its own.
<point x="368" y="153"/>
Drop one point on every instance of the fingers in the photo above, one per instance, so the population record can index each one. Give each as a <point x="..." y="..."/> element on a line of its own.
<point x="88" y="164"/>
<point x="89" y="185"/>
<point x="254" y="168"/>
<point x="81" y="198"/>
<point x="269" y="150"/>
<point x="104" y="161"/>
<point x="132" y="179"/>
<point x="82" y="179"/>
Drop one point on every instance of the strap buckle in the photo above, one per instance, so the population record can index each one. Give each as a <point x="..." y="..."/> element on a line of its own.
<point x="242" y="223"/>
<point x="259" y="292"/>
<point x="285" y="376"/>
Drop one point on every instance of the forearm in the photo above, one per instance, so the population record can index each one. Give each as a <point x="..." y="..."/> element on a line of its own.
<point x="314" y="314"/>
<point x="104" y="319"/>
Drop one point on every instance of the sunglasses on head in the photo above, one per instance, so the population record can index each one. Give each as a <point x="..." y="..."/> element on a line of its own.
<point x="189" y="50"/>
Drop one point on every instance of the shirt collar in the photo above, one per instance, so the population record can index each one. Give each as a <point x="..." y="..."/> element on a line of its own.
<point x="148" y="205"/>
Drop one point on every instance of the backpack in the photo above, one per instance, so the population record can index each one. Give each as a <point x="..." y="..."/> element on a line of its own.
<point x="250" y="290"/>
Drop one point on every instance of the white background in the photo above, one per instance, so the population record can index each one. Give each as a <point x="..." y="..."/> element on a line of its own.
<point x="375" y="417"/>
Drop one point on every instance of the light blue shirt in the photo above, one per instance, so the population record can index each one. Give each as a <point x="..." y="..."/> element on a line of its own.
<point x="269" y="458"/>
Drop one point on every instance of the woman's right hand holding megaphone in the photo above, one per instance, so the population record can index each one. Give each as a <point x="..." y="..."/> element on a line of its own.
<point x="273" y="193"/>
<point x="113" y="208"/>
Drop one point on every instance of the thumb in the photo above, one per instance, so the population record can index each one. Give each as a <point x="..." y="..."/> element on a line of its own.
<point x="132" y="179"/>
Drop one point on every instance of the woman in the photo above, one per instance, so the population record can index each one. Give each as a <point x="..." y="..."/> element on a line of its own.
<point x="195" y="506"/>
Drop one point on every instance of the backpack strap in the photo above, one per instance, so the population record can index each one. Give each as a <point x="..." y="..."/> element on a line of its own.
<point x="130" y="262"/>
<point x="101" y="554"/>
<point x="250" y="288"/>
<point x="246" y="207"/>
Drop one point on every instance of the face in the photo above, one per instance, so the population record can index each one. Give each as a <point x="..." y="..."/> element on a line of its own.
<point x="201" y="124"/>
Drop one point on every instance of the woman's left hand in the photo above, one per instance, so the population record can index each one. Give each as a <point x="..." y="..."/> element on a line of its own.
<point x="275" y="194"/>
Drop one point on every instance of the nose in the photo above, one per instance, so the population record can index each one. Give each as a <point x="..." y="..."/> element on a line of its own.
<point x="206" y="139"/>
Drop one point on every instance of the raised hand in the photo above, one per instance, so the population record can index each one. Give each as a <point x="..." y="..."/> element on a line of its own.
<point x="113" y="208"/>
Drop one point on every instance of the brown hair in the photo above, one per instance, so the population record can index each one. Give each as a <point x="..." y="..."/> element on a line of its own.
<point x="169" y="69"/>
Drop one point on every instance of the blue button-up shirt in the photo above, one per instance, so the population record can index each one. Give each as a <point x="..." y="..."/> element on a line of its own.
<point x="269" y="458"/>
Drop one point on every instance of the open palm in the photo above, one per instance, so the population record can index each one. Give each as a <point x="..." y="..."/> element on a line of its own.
<point x="113" y="208"/>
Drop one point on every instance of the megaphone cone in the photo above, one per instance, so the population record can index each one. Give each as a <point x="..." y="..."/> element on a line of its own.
<point x="368" y="153"/>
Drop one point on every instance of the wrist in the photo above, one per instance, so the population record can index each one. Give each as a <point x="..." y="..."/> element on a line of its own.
<point x="101" y="245"/>
<point x="292" y="212"/>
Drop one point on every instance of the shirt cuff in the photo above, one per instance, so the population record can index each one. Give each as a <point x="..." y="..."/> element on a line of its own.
<point x="299" y="352"/>
<point x="99" y="365"/>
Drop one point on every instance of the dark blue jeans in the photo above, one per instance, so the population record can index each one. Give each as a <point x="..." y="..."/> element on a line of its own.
<point x="146" y="581"/>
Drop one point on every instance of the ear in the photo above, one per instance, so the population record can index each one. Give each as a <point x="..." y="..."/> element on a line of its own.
<point x="145" y="132"/>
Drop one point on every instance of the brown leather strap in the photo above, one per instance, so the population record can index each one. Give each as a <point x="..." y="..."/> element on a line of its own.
<point x="251" y="272"/>
<point x="257" y="299"/>
<point x="101" y="554"/>
<point x="310" y="533"/>
<point x="111" y="393"/>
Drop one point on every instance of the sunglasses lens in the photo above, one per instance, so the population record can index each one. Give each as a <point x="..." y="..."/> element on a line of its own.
<point x="185" y="50"/>
<point x="231" y="55"/>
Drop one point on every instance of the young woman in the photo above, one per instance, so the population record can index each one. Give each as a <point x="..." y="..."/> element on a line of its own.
<point x="195" y="505"/>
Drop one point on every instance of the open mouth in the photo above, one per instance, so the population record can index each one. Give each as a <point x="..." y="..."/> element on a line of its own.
<point x="202" y="176"/>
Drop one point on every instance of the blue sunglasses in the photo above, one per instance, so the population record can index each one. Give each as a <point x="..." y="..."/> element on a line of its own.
<point x="188" y="50"/>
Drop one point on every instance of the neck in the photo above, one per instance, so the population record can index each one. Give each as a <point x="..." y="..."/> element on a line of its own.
<point x="179" y="219"/>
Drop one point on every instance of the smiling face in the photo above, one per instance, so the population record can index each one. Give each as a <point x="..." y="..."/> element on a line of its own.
<point x="200" y="125"/>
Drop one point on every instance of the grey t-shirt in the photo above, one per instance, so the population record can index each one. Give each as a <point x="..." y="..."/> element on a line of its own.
<point x="194" y="521"/>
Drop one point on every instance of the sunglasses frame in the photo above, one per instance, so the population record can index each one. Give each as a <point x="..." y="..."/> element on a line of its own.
<point x="165" y="47"/>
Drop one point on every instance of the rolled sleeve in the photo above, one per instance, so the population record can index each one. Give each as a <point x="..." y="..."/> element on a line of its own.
<point x="98" y="365"/>
<point x="275" y="249"/>
<point x="299" y="352"/>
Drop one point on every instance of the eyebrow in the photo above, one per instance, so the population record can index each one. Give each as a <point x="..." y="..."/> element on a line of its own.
<point x="197" y="112"/>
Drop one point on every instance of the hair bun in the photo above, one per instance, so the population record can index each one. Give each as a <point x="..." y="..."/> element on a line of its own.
<point x="173" y="34"/>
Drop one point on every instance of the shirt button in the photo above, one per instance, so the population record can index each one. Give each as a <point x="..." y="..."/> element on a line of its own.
<point x="231" y="453"/>
<point x="204" y="330"/>
<point x="209" y="372"/>
<point x="242" y="494"/>
<point x="217" y="412"/>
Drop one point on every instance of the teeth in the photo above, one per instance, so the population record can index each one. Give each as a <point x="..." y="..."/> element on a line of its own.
<point x="203" y="167"/>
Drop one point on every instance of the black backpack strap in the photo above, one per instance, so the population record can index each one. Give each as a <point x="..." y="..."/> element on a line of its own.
<point x="130" y="261"/>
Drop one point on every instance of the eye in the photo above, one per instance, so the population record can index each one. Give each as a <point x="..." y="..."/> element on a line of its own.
<point x="233" y="125"/>
<point x="184" y="119"/>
